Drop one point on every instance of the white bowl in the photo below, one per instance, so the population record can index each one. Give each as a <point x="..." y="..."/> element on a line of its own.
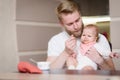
<point x="43" y="65"/>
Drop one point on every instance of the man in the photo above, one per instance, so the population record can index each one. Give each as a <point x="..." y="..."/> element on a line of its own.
<point x="64" y="44"/>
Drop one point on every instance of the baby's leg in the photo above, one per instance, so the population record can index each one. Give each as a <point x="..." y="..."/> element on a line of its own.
<point x="71" y="63"/>
<point x="83" y="62"/>
<point x="88" y="68"/>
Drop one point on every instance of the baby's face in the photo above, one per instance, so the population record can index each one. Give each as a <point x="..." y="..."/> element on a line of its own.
<point x="88" y="35"/>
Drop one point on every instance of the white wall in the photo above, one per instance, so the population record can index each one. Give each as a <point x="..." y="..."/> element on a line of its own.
<point x="8" y="49"/>
<point x="115" y="29"/>
<point x="115" y="23"/>
<point x="36" y="24"/>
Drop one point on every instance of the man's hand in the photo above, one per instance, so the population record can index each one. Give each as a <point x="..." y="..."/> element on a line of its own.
<point x="70" y="45"/>
<point x="93" y="54"/>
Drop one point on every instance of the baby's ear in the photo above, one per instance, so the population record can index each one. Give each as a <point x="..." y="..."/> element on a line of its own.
<point x="97" y="39"/>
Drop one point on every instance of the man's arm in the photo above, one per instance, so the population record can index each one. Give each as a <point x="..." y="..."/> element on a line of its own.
<point x="103" y="64"/>
<point x="59" y="61"/>
<point x="106" y="64"/>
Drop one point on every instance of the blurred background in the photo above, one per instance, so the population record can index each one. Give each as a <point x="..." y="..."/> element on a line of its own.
<point x="27" y="25"/>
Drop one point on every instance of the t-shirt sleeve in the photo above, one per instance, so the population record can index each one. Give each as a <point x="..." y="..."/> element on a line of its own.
<point x="54" y="47"/>
<point x="103" y="46"/>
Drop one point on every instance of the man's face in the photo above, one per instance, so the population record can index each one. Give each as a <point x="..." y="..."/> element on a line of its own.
<point x="72" y="23"/>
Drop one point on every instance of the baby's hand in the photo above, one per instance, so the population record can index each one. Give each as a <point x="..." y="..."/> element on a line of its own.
<point x="70" y="45"/>
<point x="114" y="55"/>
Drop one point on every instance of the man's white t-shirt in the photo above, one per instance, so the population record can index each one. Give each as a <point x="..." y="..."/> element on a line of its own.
<point x="56" y="44"/>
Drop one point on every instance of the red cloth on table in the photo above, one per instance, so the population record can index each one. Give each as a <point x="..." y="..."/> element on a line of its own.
<point x="26" y="67"/>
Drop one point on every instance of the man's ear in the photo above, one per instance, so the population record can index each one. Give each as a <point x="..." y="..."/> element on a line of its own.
<point x="61" y="23"/>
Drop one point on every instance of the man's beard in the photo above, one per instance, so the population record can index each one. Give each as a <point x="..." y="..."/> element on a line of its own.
<point x="75" y="34"/>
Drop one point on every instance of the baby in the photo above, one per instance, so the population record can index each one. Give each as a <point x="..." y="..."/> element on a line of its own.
<point x="89" y="38"/>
